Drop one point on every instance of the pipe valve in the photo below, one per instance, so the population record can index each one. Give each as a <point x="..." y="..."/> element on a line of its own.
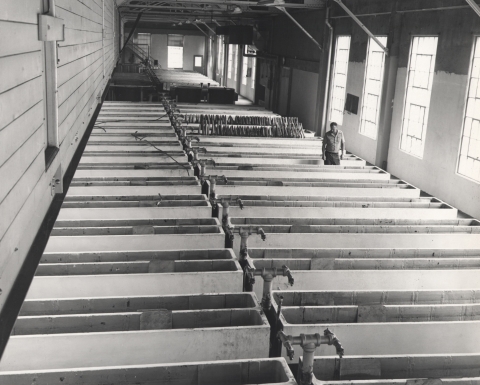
<point x="268" y="274"/>
<point x="245" y="232"/>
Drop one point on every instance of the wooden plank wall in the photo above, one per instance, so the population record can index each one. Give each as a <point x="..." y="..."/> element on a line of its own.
<point x="25" y="194"/>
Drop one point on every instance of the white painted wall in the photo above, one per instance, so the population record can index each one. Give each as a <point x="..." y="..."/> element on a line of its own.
<point x="25" y="195"/>
<point x="192" y="45"/>
<point x="436" y="172"/>
<point x="304" y="98"/>
<point x="357" y="143"/>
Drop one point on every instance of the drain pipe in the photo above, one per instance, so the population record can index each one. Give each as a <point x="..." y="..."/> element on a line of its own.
<point x="309" y="343"/>
<point x="268" y="274"/>
<point x="326" y="99"/>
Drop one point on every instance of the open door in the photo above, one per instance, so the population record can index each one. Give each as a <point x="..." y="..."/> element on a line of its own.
<point x="198" y="63"/>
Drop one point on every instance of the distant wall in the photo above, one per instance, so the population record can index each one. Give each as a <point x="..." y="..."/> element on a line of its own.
<point x="192" y="45"/>
<point x="83" y="70"/>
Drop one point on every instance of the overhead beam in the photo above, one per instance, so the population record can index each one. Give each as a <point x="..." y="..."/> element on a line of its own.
<point x="361" y="25"/>
<point x="227" y="2"/>
<point x="474" y="6"/>
<point x="300" y="26"/>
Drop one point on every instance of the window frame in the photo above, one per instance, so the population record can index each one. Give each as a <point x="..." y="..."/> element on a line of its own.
<point x="424" y="134"/>
<point x="334" y="69"/>
<point x="475" y="41"/>
<point x="365" y="79"/>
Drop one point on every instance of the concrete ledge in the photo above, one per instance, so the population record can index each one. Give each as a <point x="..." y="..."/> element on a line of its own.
<point x="83" y="350"/>
<point x="115" y="191"/>
<point x="135" y="212"/>
<point x="94" y="286"/>
<point x="265" y="371"/>
<point x="407" y="191"/>
<point x="362" y="241"/>
<point x="403" y="367"/>
<point x="135" y="242"/>
<point x="396" y="338"/>
<point x="342" y="212"/>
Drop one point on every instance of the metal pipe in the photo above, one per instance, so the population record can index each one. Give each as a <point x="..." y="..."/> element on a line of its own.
<point x="103" y="36"/>
<point x="300" y="26"/>
<point x="201" y="30"/>
<point x="339" y="2"/>
<point x="454" y="7"/>
<point x="51" y="63"/>
<point x="229" y="2"/>
<point x="474" y="6"/>
<point x="206" y="25"/>
<point x="326" y="100"/>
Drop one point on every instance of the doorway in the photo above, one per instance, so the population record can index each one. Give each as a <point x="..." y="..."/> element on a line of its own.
<point x="198" y="63"/>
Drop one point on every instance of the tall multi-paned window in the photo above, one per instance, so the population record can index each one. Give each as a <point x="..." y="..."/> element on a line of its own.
<point x="469" y="159"/>
<point x="235" y="61"/>
<point x="244" y="70"/>
<point x="372" y="89"/>
<point x="220" y="54"/>
<point x="175" y="51"/>
<point x="254" y="71"/>
<point x="339" y="84"/>
<point x="230" y="61"/>
<point x="417" y="99"/>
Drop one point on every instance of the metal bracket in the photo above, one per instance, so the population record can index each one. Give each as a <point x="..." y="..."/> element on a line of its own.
<point x="50" y="28"/>
<point x="367" y="31"/>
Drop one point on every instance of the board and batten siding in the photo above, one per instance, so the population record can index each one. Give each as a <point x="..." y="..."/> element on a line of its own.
<point x="87" y="57"/>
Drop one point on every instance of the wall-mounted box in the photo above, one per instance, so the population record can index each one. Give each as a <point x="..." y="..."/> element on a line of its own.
<point x="50" y="28"/>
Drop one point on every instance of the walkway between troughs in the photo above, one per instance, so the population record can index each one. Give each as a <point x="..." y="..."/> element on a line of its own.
<point x="136" y="271"/>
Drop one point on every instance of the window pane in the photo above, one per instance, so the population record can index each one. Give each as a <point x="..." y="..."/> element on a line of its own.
<point x="372" y="89"/>
<point x="175" y="57"/>
<point x="339" y="81"/>
<point x="417" y="99"/>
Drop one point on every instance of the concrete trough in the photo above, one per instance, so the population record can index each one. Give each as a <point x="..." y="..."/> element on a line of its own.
<point x="253" y="161"/>
<point x="375" y="369"/>
<point x="134" y="181"/>
<point x="144" y="319"/>
<point x="151" y="137"/>
<point x="361" y="241"/>
<point x="133" y="123"/>
<point x="363" y="190"/>
<point x="132" y="146"/>
<point x="425" y="329"/>
<point x="239" y="337"/>
<point x="115" y="148"/>
<point x="211" y="150"/>
<point x="133" y="117"/>
<point x="138" y="303"/>
<point x="265" y="371"/>
<point x="139" y="284"/>
<point x="141" y="242"/>
<point x="83" y="212"/>
<point x="107" y="159"/>
<point x="164" y="131"/>
<point x="260" y="141"/>
<point x="384" y="280"/>
<point x="115" y="173"/>
<point x="117" y="191"/>
<point x="354" y="174"/>
<point x="309" y="211"/>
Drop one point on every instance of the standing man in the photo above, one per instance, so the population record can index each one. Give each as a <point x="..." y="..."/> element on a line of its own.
<point x="333" y="143"/>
